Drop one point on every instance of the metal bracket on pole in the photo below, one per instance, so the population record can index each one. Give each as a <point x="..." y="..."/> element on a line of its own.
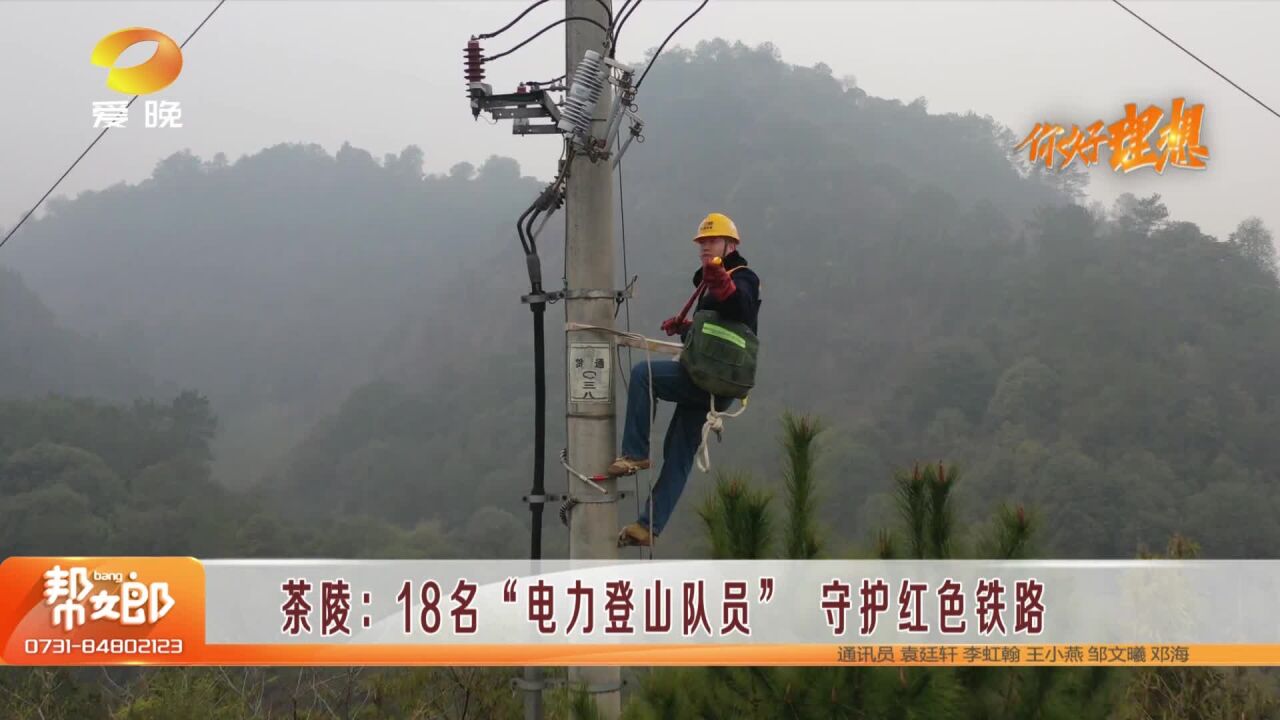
<point x="618" y="296"/>
<point x="637" y="129"/>
<point x="627" y="294"/>
<point x="543" y="297"/>
<point x="614" y="295"/>
<point x="518" y="106"/>
<point x="599" y="499"/>
<point x="622" y="100"/>
<point x="581" y="499"/>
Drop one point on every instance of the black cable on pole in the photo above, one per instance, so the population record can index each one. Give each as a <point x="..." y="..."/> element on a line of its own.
<point x="507" y="27"/>
<point x="538" y="307"/>
<point x="608" y="11"/>
<point x="524" y="243"/>
<point x="552" y="81"/>
<point x="76" y="162"/>
<point x="622" y="11"/>
<point x="533" y="37"/>
<point x="528" y="228"/>
<point x="1196" y="58"/>
<point x="539" y="426"/>
<point x="504" y="28"/>
<point x="547" y="201"/>
<point x="623" y="15"/>
<point x="664" y="42"/>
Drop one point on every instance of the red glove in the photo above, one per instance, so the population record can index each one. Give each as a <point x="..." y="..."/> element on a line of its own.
<point x="675" y="325"/>
<point x="718" y="281"/>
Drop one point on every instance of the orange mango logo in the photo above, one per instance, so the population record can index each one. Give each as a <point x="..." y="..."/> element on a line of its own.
<point x="157" y="73"/>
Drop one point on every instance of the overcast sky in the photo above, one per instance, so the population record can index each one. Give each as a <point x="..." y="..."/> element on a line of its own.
<point x="387" y="75"/>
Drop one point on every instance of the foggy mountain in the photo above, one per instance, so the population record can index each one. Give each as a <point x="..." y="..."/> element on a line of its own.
<point x="270" y="284"/>
<point x="924" y="291"/>
<point x="39" y="355"/>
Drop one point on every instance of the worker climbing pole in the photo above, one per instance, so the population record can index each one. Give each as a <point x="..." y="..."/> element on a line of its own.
<point x="717" y="365"/>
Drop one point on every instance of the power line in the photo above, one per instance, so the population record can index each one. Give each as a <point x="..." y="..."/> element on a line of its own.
<point x="664" y="42"/>
<point x="552" y="81"/>
<point x="623" y="11"/>
<point x="1197" y="58"/>
<point x="59" y="181"/>
<point x="626" y="273"/>
<point x="202" y="22"/>
<point x="95" y="140"/>
<point x="623" y="15"/>
<point x="535" y="36"/>
<point x="608" y="11"/>
<point x="504" y="28"/>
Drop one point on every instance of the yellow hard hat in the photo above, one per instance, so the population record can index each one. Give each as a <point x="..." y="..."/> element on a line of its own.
<point x="717" y="225"/>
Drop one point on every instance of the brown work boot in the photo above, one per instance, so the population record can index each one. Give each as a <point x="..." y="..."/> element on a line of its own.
<point x="626" y="466"/>
<point x="635" y="535"/>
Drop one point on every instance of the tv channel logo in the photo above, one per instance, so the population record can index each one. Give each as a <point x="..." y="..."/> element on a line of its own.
<point x="157" y="73"/>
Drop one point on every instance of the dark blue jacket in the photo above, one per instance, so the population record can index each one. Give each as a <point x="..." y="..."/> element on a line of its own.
<point x="742" y="306"/>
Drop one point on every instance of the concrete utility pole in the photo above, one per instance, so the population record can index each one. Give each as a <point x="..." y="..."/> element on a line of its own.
<point x="591" y="404"/>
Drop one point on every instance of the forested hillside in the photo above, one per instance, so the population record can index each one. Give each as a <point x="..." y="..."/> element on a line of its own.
<point x="274" y="283"/>
<point x="39" y="355"/>
<point x="1109" y="362"/>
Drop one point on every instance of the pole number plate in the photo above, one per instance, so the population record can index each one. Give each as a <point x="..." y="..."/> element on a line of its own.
<point x="589" y="372"/>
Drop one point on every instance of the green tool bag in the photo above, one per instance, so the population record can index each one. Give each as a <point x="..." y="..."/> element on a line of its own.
<point x="720" y="355"/>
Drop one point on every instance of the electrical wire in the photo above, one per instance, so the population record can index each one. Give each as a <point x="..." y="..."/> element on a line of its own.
<point x="551" y="199"/>
<point x="546" y="201"/>
<point x="535" y="36"/>
<point x="623" y="15"/>
<point x="607" y="11"/>
<point x="626" y="273"/>
<point x="552" y="81"/>
<point x="664" y="42"/>
<point x="507" y="27"/>
<point x="626" y="302"/>
<point x="622" y="12"/>
<point x="524" y="242"/>
<point x="1196" y="58"/>
<point x="524" y="223"/>
<point x="539" y="428"/>
<point x="95" y="140"/>
<point x="564" y="276"/>
<point x="622" y="210"/>
<point x="528" y="10"/>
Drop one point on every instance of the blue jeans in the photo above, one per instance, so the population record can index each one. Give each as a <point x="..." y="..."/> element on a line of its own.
<point x="673" y="384"/>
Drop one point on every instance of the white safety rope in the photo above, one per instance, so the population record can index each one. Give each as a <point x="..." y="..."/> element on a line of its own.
<point x="714" y="424"/>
